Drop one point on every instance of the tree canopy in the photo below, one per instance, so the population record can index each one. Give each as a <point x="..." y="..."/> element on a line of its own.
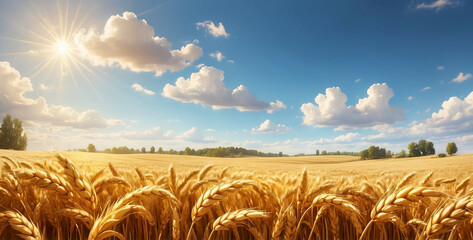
<point x="12" y="135"/>
<point x="374" y="152"/>
<point x="91" y="148"/>
<point x="422" y="148"/>
<point x="451" y="148"/>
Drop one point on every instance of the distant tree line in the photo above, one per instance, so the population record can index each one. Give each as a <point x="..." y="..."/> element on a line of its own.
<point x="421" y="148"/>
<point x="121" y="150"/>
<point x="324" y="152"/>
<point x="207" y="152"/>
<point x="375" y="152"/>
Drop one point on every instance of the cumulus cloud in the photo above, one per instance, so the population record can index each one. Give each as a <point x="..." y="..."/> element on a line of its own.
<point x="131" y="43"/>
<point x="212" y="29"/>
<point x="13" y="100"/>
<point x="368" y="112"/>
<point x="194" y="135"/>
<point x="270" y="127"/>
<point x="440" y="68"/>
<point x="140" y="88"/>
<point x="455" y="116"/>
<point x="349" y="137"/>
<point x="425" y="89"/>
<point x="462" y="77"/>
<point x="410" y="98"/>
<point x="436" y="4"/>
<point x="45" y="87"/>
<point x="218" y="55"/>
<point x="206" y="87"/>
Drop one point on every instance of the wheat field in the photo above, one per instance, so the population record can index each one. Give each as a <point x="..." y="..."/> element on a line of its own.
<point x="144" y="196"/>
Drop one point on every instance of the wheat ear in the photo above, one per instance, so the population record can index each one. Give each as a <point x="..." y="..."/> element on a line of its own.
<point x="232" y="219"/>
<point x="444" y="219"/>
<point x="20" y="223"/>
<point x="47" y="180"/>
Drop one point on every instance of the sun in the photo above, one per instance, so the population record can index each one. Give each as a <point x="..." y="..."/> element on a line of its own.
<point x="62" y="47"/>
<point x="49" y="38"/>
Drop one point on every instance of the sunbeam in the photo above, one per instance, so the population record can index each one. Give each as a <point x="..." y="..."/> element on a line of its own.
<point x="52" y="40"/>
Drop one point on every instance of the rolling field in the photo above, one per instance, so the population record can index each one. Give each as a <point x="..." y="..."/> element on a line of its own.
<point x="150" y="196"/>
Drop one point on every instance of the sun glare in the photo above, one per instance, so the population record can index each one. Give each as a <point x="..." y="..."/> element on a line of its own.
<point x="51" y="39"/>
<point x="62" y="47"/>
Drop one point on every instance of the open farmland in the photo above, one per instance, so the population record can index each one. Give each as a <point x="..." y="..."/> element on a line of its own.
<point x="152" y="196"/>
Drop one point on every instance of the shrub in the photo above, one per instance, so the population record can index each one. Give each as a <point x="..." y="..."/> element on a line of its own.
<point x="441" y="155"/>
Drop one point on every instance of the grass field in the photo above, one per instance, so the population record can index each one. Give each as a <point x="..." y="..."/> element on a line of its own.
<point x="152" y="196"/>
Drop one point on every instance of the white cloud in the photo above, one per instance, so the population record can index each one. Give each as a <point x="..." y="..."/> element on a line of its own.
<point x="410" y="98"/>
<point x="140" y="88"/>
<point x="425" y="89"/>
<point x="440" y="68"/>
<point x="206" y="87"/>
<point x="270" y="127"/>
<point x="12" y="100"/>
<point x="212" y="29"/>
<point x="194" y="135"/>
<point x="427" y="110"/>
<point x="230" y="61"/>
<point x="358" y="80"/>
<point x="218" y="55"/>
<point x="455" y="116"/>
<point x="131" y="44"/>
<point x="149" y="134"/>
<point x="436" y="4"/>
<point x="200" y="65"/>
<point x="368" y="112"/>
<point x="462" y="77"/>
<point x="210" y="130"/>
<point x="45" y="87"/>
<point x="349" y="137"/>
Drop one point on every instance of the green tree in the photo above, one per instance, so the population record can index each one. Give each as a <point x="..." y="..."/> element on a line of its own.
<point x="187" y="151"/>
<point x="280" y="154"/>
<point x="402" y="154"/>
<point x="422" y="148"/>
<point x="422" y="145"/>
<point x="364" y="154"/>
<point x="429" y="148"/>
<point x="413" y="149"/>
<point x="152" y="149"/>
<point x="317" y="152"/>
<point x="324" y="152"/>
<point x="240" y="154"/>
<point x="160" y="150"/>
<point x="373" y="152"/>
<point x="91" y="148"/>
<point x="451" y="148"/>
<point x="12" y="135"/>
<point x="143" y="150"/>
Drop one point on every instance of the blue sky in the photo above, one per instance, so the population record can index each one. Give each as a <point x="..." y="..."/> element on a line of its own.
<point x="290" y="76"/>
